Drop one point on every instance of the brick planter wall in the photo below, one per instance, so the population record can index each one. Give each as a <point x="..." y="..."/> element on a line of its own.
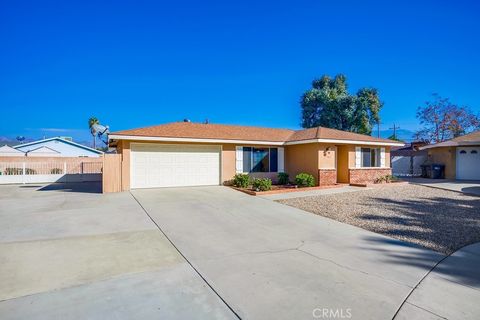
<point x="327" y="177"/>
<point x="363" y="175"/>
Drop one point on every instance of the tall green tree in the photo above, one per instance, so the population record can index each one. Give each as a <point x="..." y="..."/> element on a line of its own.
<point x="442" y="120"/>
<point x="329" y="104"/>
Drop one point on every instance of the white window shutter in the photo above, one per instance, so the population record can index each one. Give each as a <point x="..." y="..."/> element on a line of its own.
<point x="281" y="160"/>
<point x="382" y="157"/>
<point x="358" y="157"/>
<point x="239" y="160"/>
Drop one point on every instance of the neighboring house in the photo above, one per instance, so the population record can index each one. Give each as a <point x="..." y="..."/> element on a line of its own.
<point x="406" y="161"/>
<point x="461" y="156"/>
<point x="43" y="151"/>
<point x="56" y="147"/>
<point x="7" y="151"/>
<point x="192" y="154"/>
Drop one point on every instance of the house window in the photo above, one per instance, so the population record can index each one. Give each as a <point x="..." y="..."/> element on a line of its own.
<point x="260" y="159"/>
<point x="474" y="152"/>
<point x="463" y="152"/>
<point x="247" y="159"/>
<point x="370" y="157"/>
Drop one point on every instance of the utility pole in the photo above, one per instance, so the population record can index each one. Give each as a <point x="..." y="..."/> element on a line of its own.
<point x="395" y="128"/>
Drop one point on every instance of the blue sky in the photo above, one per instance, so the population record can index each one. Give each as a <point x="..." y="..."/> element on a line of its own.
<point x="141" y="63"/>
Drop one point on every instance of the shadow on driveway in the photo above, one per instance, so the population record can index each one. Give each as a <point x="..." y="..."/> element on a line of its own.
<point x="81" y="187"/>
<point x="446" y="223"/>
<point x="472" y="190"/>
<point x="459" y="267"/>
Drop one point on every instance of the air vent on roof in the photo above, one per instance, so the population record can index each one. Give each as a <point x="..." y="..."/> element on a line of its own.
<point x="186" y="120"/>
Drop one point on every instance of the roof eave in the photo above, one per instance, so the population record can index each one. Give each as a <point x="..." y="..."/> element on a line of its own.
<point x="196" y="140"/>
<point x="450" y="143"/>
<point x="258" y="142"/>
<point x="345" y="141"/>
<point x="60" y="139"/>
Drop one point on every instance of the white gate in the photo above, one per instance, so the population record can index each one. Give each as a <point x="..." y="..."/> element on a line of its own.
<point x="49" y="171"/>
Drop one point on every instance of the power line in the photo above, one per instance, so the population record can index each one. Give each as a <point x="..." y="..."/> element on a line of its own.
<point x="395" y="128"/>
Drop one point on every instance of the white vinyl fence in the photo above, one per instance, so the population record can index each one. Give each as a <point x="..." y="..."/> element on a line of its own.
<point x="50" y="171"/>
<point x="408" y="166"/>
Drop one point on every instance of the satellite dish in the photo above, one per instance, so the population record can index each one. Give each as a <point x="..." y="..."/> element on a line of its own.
<point x="100" y="130"/>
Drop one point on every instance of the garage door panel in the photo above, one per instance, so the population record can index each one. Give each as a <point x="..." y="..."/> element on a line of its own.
<point x="156" y="165"/>
<point x="468" y="163"/>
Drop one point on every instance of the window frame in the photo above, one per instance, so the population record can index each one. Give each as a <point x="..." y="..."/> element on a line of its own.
<point x="250" y="157"/>
<point x="374" y="157"/>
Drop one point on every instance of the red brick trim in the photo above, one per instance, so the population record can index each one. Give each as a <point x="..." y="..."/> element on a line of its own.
<point x="367" y="175"/>
<point x="327" y="177"/>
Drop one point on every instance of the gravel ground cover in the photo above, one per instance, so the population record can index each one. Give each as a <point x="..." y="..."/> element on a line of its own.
<point x="437" y="219"/>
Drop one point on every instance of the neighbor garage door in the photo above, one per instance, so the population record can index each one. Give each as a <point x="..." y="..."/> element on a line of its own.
<point x="468" y="163"/>
<point x="157" y="165"/>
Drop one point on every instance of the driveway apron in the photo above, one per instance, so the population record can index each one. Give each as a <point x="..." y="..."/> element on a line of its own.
<point x="270" y="261"/>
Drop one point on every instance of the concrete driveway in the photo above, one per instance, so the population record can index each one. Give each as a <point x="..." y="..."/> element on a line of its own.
<point x="72" y="254"/>
<point x="270" y="261"/>
<point x="471" y="187"/>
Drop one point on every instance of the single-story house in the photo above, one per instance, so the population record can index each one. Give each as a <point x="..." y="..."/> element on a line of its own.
<point x="56" y="147"/>
<point x="194" y="154"/>
<point x="7" y="151"/>
<point x="461" y="156"/>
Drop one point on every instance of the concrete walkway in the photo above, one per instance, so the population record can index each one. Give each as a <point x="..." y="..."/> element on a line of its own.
<point x="467" y="187"/>
<point x="312" y="193"/>
<point x="270" y="261"/>
<point x="66" y="254"/>
<point x="450" y="291"/>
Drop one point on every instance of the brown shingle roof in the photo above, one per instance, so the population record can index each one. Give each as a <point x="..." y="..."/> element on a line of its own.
<point x="327" y="133"/>
<point x="210" y="131"/>
<point x="468" y="139"/>
<point x="471" y="137"/>
<point x="234" y="132"/>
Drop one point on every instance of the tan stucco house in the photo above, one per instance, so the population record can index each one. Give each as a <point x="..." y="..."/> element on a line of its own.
<point x="192" y="154"/>
<point x="460" y="156"/>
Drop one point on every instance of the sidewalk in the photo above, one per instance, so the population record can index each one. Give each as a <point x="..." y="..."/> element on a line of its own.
<point x="450" y="291"/>
<point x="464" y="186"/>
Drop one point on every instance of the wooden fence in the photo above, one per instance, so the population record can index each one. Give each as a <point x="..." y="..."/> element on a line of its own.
<point x="112" y="173"/>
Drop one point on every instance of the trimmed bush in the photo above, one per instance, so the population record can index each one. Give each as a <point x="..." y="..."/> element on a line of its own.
<point x="13" y="171"/>
<point x="282" y="178"/>
<point x="56" y="171"/>
<point x="304" y="180"/>
<point x="264" y="184"/>
<point x="241" y="180"/>
<point x="387" y="179"/>
<point x="30" y="171"/>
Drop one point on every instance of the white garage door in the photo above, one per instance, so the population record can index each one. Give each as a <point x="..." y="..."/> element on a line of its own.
<point x="156" y="165"/>
<point x="468" y="163"/>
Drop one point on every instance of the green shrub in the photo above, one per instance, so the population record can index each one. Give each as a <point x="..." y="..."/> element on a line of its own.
<point x="282" y="178"/>
<point x="304" y="180"/>
<point x="13" y="171"/>
<point x="264" y="184"/>
<point x="56" y="171"/>
<point x="30" y="171"/>
<point x="387" y="179"/>
<point x="241" y="180"/>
